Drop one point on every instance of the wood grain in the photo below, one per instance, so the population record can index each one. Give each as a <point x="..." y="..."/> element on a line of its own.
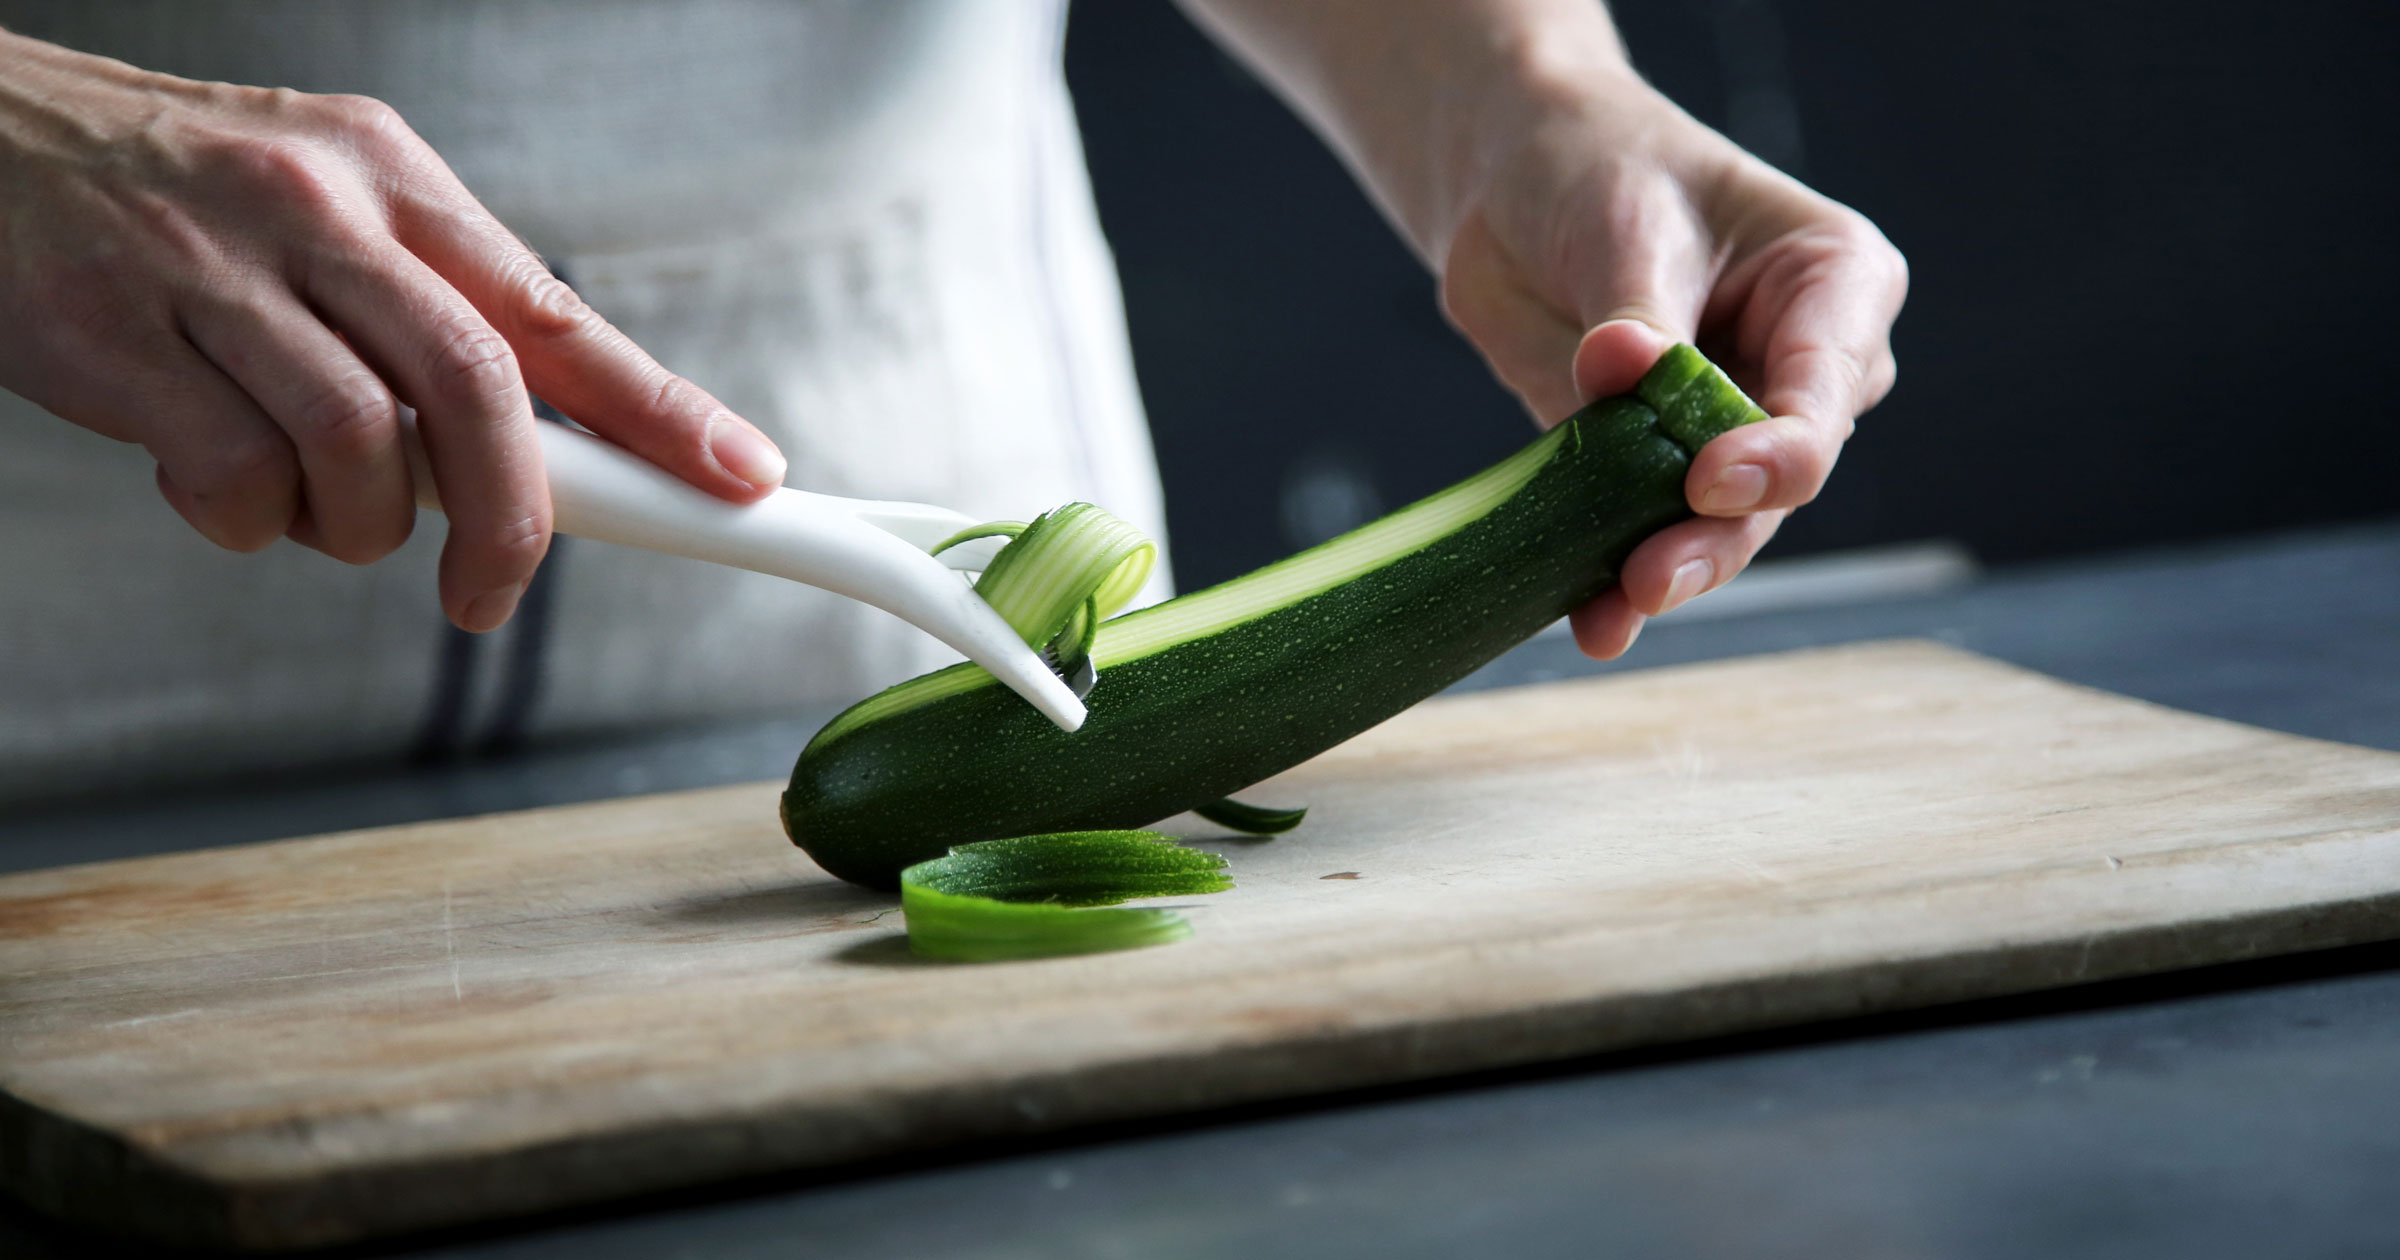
<point x="325" y="1039"/>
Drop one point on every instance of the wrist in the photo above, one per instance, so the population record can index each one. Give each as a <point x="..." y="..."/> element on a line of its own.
<point x="1539" y="74"/>
<point x="58" y="102"/>
<point x="1424" y="99"/>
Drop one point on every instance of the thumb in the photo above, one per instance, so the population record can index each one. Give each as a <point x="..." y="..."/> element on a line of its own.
<point x="1614" y="355"/>
<point x="1640" y="279"/>
<point x="1643" y="302"/>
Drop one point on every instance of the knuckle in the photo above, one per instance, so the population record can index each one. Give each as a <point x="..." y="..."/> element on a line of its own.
<point x="1885" y="375"/>
<point x="249" y="464"/>
<point x="292" y="172"/>
<point x="475" y="363"/>
<point x="516" y="544"/>
<point x="549" y="306"/>
<point x="1464" y="289"/>
<point x="1458" y="310"/>
<point x="1854" y="237"/>
<point x="351" y="419"/>
<point x="1852" y="230"/>
<point x="240" y="492"/>
<point x="364" y="118"/>
<point x="285" y="106"/>
<point x="1819" y="251"/>
<point x="673" y="397"/>
<point x="1850" y="375"/>
<point x="1895" y="264"/>
<point x="1839" y="383"/>
<point x="1805" y="470"/>
<point x="1459" y="299"/>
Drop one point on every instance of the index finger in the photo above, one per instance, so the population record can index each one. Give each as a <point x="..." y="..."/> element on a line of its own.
<point x="1817" y="322"/>
<point x="581" y="363"/>
<point x="1827" y="353"/>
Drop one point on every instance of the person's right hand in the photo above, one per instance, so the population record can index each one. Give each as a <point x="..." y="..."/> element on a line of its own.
<point x="252" y="283"/>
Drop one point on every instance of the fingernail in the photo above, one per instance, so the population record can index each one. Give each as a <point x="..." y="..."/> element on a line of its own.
<point x="488" y="610"/>
<point x="745" y="452"/>
<point x="1690" y="579"/>
<point x="1738" y="489"/>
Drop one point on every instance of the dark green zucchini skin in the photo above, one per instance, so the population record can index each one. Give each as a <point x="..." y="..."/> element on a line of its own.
<point x="1210" y="716"/>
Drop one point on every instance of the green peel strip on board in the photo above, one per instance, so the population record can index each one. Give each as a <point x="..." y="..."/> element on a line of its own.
<point x="1036" y="896"/>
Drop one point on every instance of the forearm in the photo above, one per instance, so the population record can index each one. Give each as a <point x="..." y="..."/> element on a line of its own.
<point x="35" y="76"/>
<point x="1424" y="98"/>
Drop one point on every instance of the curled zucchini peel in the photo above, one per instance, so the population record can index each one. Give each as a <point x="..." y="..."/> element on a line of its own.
<point x="1061" y="574"/>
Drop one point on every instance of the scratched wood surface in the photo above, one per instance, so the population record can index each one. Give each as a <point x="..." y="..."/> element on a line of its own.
<point x="324" y="1039"/>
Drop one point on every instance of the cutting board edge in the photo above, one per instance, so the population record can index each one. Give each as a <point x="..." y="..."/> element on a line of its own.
<point x="92" y="1172"/>
<point x="78" y="1172"/>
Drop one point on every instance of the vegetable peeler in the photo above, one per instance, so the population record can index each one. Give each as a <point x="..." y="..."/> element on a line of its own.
<point x="872" y="551"/>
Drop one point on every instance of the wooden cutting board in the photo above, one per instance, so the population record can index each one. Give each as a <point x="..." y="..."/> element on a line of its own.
<point x="329" y="1038"/>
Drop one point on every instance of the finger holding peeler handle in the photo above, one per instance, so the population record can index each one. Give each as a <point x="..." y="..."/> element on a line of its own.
<point x="870" y="551"/>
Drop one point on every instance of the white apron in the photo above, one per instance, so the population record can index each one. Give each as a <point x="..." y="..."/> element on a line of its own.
<point x="863" y="224"/>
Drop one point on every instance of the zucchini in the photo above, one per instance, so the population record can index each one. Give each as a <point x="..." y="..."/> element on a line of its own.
<point x="1207" y="694"/>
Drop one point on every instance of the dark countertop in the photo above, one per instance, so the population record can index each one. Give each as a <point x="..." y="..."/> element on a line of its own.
<point x="2243" y="1111"/>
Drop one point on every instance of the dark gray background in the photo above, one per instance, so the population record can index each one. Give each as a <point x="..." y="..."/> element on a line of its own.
<point x="2154" y="250"/>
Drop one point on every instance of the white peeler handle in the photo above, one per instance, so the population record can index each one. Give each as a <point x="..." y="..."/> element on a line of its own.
<point x="607" y="494"/>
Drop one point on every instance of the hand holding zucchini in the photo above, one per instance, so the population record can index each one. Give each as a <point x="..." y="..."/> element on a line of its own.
<point x="1204" y="695"/>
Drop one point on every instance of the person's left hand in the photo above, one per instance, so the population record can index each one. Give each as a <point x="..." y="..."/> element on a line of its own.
<point x="1623" y="226"/>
